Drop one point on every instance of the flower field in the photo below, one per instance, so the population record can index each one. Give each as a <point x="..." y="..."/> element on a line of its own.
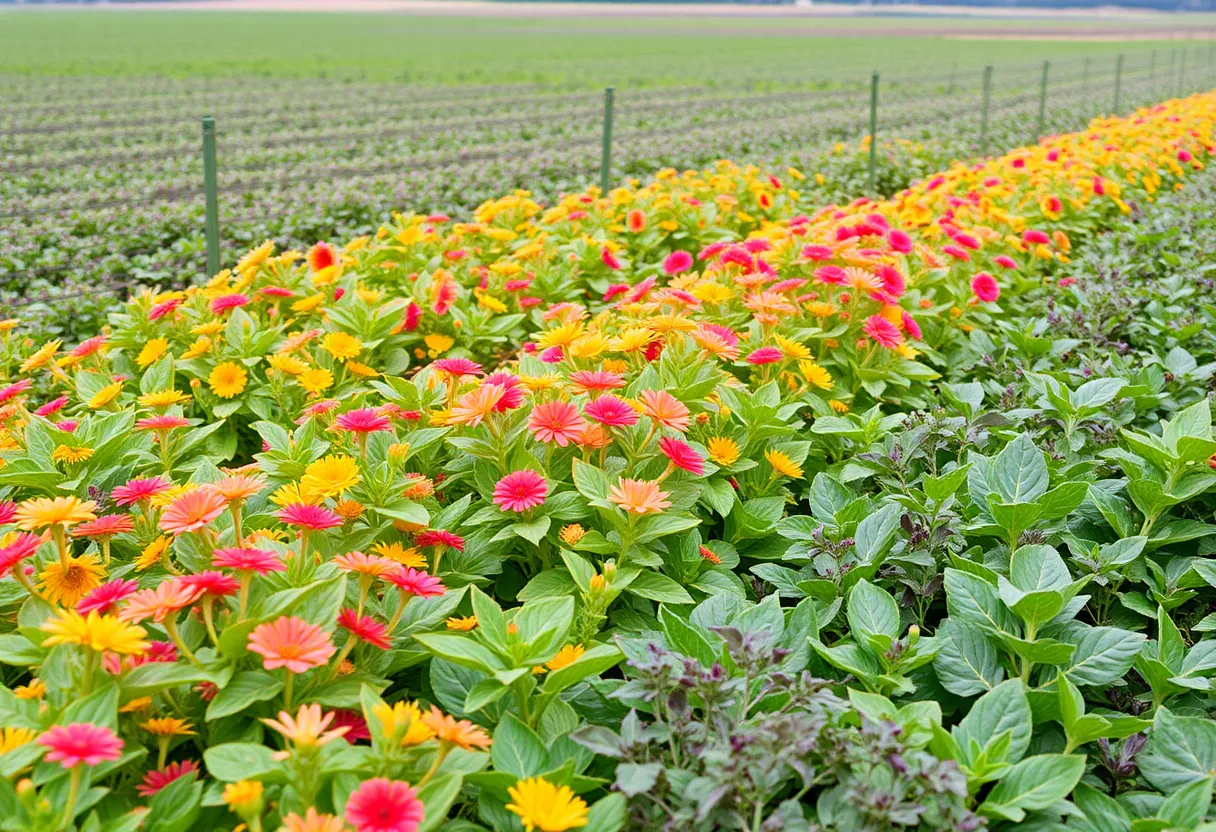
<point x="679" y="506"/>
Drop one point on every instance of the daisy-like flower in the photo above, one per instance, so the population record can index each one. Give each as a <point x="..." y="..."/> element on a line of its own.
<point x="13" y="738"/>
<point x="237" y="487"/>
<point x="365" y="628"/>
<point x="985" y="288"/>
<point x="546" y="807"/>
<point x="224" y="303"/>
<point x="16" y="548"/>
<point x="558" y="422"/>
<point x="244" y="797"/>
<point x="341" y="345"/>
<point x="80" y="742"/>
<point x="382" y="805"/>
<point x="107" y="596"/>
<point x="414" y="582"/>
<point x="307" y="729"/>
<point x="312" y="821"/>
<point x="456" y="367"/>
<point x="464" y="624"/>
<point x="883" y="332"/>
<point x="41" y="512"/>
<point x="782" y="464"/>
<point x="152" y="351"/>
<point x="156" y="780"/>
<point x="228" y="380"/>
<point x="139" y="489"/>
<point x="322" y="256"/>
<point x="439" y="538"/>
<point x="291" y="643"/>
<point x="330" y="476"/>
<point x="159" y="603"/>
<point x="594" y="381"/>
<point x="398" y="553"/>
<point x="611" y="411"/>
<point x="315" y="381"/>
<point x="476" y="406"/>
<point x="192" y="511"/>
<point x="254" y="561"/>
<point x="765" y="355"/>
<point x="520" y="491"/>
<point x="363" y="420"/>
<point x="638" y="496"/>
<point x="168" y="726"/>
<point x="665" y="409"/>
<point x="107" y="525"/>
<point x="365" y="564"/>
<point x="53" y="406"/>
<point x="682" y="455"/>
<point x="461" y="732"/>
<point x="96" y="631"/>
<point x="313" y="518"/>
<point x="212" y="583"/>
<point x="568" y="655"/>
<point x="64" y="453"/>
<point x="104" y="396"/>
<point x="64" y="583"/>
<point x="402" y="723"/>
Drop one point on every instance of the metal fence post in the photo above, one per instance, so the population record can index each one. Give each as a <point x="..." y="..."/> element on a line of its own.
<point x="606" y="157"/>
<point x="1043" y="100"/>
<point x="873" y="134"/>
<point x="984" y="111"/>
<point x="1118" y="81"/>
<point x="211" y="197"/>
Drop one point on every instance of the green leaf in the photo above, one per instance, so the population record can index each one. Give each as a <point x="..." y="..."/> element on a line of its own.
<point x="437" y="798"/>
<point x="634" y="778"/>
<point x="871" y="611"/>
<point x="235" y="761"/>
<point x="593" y="662"/>
<point x="1038" y="567"/>
<point x="459" y="649"/>
<point x="1104" y="654"/>
<point x="1181" y="750"/>
<point x="606" y="814"/>
<point x="968" y="663"/>
<point x="876" y="533"/>
<point x="1104" y="814"/>
<point x="1185" y="808"/>
<point x="1019" y="472"/>
<point x="656" y="586"/>
<point x="517" y="750"/>
<point x="686" y="639"/>
<point x="246" y="688"/>
<point x="972" y="600"/>
<point x="1034" y="783"/>
<point x="533" y="531"/>
<point x="1004" y="708"/>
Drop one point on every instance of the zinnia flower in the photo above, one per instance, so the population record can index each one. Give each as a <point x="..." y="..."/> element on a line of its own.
<point x="18" y="549"/>
<point x="107" y="525"/>
<point x="557" y="422"/>
<point x="382" y="805"/>
<point x="67" y="584"/>
<point x="439" y="538"/>
<point x="883" y="331"/>
<point x="80" y="742"/>
<point x="307" y="728"/>
<point x="100" y="633"/>
<point x="292" y="643"/>
<point x="611" y="411"/>
<point x="765" y="355"/>
<point x="313" y="518"/>
<point x="546" y="807"/>
<point x="985" y="287"/>
<point x="257" y="561"/>
<point x="192" y="511"/>
<point x="638" y="496"/>
<point x="104" y="598"/>
<point x="159" y="603"/>
<point x="677" y="262"/>
<point x="154" y="781"/>
<point x="139" y="489"/>
<point x="520" y="491"/>
<point x="364" y="420"/>
<point x="41" y="512"/>
<point x="782" y="464"/>
<point x="365" y="628"/>
<point x="665" y="409"/>
<point x="312" y="821"/>
<point x="228" y="379"/>
<point x="458" y="732"/>
<point x="682" y="455"/>
<point x="415" y="582"/>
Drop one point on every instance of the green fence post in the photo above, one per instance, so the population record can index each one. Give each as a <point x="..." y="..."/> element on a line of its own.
<point x="1118" y="81"/>
<point x="606" y="157"/>
<point x="984" y="111"/>
<point x="1043" y="99"/>
<point x="211" y="197"/>
<point x="873" y="134"/>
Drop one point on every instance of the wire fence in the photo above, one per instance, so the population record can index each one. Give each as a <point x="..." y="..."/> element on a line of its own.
<point x="434" y="131"/>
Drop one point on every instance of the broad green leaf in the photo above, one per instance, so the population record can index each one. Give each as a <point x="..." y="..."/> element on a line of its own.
<point x="871" y="611"/>
<point x="1019" y="472"/>
<point x="1004" y="708"/>
<point x="967" y="663"/>
<point x="1034" y="783"/>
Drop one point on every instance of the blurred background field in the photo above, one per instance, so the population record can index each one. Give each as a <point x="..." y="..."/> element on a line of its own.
<point x="327" y="122"/>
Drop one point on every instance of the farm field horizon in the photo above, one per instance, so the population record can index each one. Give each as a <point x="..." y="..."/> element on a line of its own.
<point x="544" y="417"/>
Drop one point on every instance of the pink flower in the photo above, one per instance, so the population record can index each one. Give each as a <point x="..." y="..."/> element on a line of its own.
<point x="225" y="302"/>
<point x="365" y="628"/>
<point x="140" y="489"/>
<point x="665" y="409"/>
<point x="611" y="411"/>
<point x="831" y="275"/>
<point x="162" y="421"/>
<point x="899" y="241"/>
<point x="682" y="455"/>
<point x="314" y="518"/>
<point x="15" y="388"/>
<point x="957" y="253"/>
<point x="23" y="545"/>
<point x="911" y="327"/>
<point x="814" y="252"/>
<point x="512" y="391"/>
<point x="292" y="643"/>
<point x="586" y="381"/>
<point x="1004" y="262"/>
<point x="52" y="406"/>
<point x="552" y="355"/>
<point x="247" y="560"/>
<point x="883" y="331"/>
<point x="192" y="511"/>
<point x="80" y="742"/>
<point x="382" y="805"/>
<point x="520" y="491"/>
<point x="162" y="309"/>
<point x="364" y="420"/>
<point x="104" y="598"/>
<point x="892" y="280"/>
<point x="1185" y="155"/>
<point x="1035" y="238"/>
<point x="765" y="355"/>
<point x="985" y="287"/>
<point x="439" y="537"/>
<point x="557" y="422"/>
<point x="677" y="262"/>
<point x="210" y="582"/>
<point x="614" y="290"/>
<point x="457" y="367"/>
<point x="609" y="259"/>
<point x="154" y="781"/>
<point x="415" y="582"/>
<point x="413" y="314"/>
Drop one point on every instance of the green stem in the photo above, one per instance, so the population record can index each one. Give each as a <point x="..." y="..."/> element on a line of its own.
<point x="208" y="619"/>
<point x="171" y="628"/>
<point x="444" y="748"/>
<point x="405" y="598"/>
<point x="287" y="683"/>
<point x="69" y="810"/>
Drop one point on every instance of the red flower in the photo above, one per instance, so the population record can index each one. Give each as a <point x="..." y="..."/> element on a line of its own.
<point x="211" y="582"/>
<point x="635" y="220"/>
<point x="104" y="598"/>
<point x="381" y="805"/>
<point x="364" y="420"/>
<point x="162" y="309"/>
<point x="353" y="722"/>
<point x="162" y="422"/>
<point x="415" y="582"/>
<point x="1034" y="237"/>
<point x="609" y="259"/>
<point x="439" y="537"/>
<point x="23" y="545"/>
<point x="225" y="302"/>
<point x="611" y="411"/>
<point x="883" y="331"/>
<point x="413" y="314"/>
<point x="520" y="491"/>
<point x="985" y="287"/>
<point x="682" y="455"/>
<point x="321" y="256"/>
<point x="365" y="628"/>
<point x="154" y="781"/>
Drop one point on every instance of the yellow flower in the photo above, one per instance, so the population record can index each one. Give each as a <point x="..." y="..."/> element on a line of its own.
<point x="65" y="587"/>
<point x="438" y="343"/>
<point x="358" y="368"/>
<point x="228" y="380"/>
<point x="309" y="303"/>
<point x="783" y="465"/>
<point x="41" y="356"/>
<point x="40" y="512"/>
<point x="568" y="655"/>
<point x="839" y="406"/>
<point x="12" y="738"/>
<point x="396" y="552"/>
<point x="168" y="726"/>
<point x="571" y="534"/>
<point x="402" y="723"/>
<point x="792" y="349"/>
<point x="292" y="492"/>
<point x="467" y="623"/>
<point x="209" y="328"/>
<point x="65" y="454"/>
<point x="546" y="807"/>
<point x="722" y="450"/>
<point x="152" y="553"/>
<point x="288" y="364"/>
<point x="163" y="398"/>
<point x="152" y="351"/>
<point x="244" y="796"/>
<point x="96" y="631"/>
<point x="105" y="395"/>
<point x="330" y="476"/>
<point x="140" y="703"/>
<point x="315" y="380"/>
<point x="255" y="257"/>
<point x="816" y="375"/>
<point x="201" y="346"/>
<point x="341" y="345"/>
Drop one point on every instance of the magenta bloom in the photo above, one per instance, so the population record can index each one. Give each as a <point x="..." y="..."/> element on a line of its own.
<point x="364" y="420"/>
<point x="957" y="253"/>
<point x="162" y="421"/>
<point x="609" y="259"/>
<point x="883" y="331"/>
<point x="8" y="510"/>
<point x="382" y="805"/>
<point x="457" y="366"/>
<point x="611" y="411"/>
<point x="831" y="275"/>
<point x="80" y="742"/>
<point x="520" y="491"/>
<point x="765" y="355"/>
<point x="364" y="628"/>
<point x="586" y="381"/>
<point x="52" y="406"/>
<point x="985" y="287"/>
<point x="22" y="547"/>
<point x="415" y="582"/>
<point x="677" y="262"/>
<point x="247" y="560"/>
<point x="558" y="422"/>
<point x="210" y="582"/>
<point x="912" y="327"/>
<point x="899" y="241"/>
<point x="439" y="537"/>
<point x="1185" y="155"/>
<point x="314" y="518"/>
<point x="512" y="391"/>
<point x="162" y="309"/>
<point x="141" y="489"/>
<point x="682" y="455"/>
<point x="156" y="780"/>
<point x="15" y="388"/>
<point x="814" y="252"/>
<point x="225" y="302"/>
<point x="1035" y="238"/>
<point x="1004" y="262"/>
<point x="892" y="280"/>
<point x="106" y="597"/>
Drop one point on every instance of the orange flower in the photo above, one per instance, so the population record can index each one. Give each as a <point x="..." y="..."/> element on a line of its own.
<point x="476" y="406"/>
<point x="292" y="643"/>
<point x="238" y="487"/>
<point x="157" y="604"/>
<point x="638" y="496"/>
<point x="665" y="409"/>
<point x="458" y="732"/>
<point x="365" y="564"/>
<point x="192" y="511"/>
